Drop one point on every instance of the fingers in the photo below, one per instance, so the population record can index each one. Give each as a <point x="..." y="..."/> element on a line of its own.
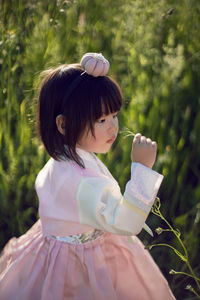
<point x="138" y="135"/>
<point x="154" y="144"/>
<point x="148" y="141"/>
<point x="140" y="139"/>
<point x="143" y="151"/>
<point x="143" y="140"/>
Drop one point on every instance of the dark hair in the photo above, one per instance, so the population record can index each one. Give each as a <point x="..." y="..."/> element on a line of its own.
<point x="87" y="102"/>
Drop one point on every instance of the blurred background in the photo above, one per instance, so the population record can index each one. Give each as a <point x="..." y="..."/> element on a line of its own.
<point x="154" y="51"/>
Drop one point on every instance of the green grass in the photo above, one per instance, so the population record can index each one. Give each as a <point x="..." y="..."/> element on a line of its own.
<point x="153" y="48"/>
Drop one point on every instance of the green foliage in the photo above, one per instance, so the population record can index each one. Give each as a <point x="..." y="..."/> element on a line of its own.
<point x="182" y="254"/>
<point x="153" y="47"/>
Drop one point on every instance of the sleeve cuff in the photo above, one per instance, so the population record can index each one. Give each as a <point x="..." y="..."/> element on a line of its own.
<point x="144" y="184"/>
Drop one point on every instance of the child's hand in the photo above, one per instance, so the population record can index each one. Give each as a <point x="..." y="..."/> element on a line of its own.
<point x="143" y="150"/>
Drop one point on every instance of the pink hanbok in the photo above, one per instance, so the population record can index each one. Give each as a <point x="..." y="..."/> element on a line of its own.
<point x="80" y="247"/>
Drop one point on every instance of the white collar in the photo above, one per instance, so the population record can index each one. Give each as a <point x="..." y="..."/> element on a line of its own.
<point x="85" y="155"/>
<point x="92" y="161"/>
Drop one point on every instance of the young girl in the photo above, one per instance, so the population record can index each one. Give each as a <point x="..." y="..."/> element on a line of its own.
<point x="79" y="248"/>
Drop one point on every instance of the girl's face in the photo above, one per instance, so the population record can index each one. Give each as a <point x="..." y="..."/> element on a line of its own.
<point x="105" y="133"/>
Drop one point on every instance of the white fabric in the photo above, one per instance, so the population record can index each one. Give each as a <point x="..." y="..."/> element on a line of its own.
<point x="144" y="184"/>
<point x="102" y="206"/>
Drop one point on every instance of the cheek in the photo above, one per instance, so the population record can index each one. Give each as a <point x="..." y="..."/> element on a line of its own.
<point x="89" y="138"/>
<point x="117" y="124"/>
<point x="85" y="138"/>
<point x="99" y="132"/>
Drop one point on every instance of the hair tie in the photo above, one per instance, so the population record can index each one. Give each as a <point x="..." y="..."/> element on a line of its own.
<point x="93" y="64"/>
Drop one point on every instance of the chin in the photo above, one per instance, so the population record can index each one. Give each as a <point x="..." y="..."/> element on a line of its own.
<point x="104" y="151"/>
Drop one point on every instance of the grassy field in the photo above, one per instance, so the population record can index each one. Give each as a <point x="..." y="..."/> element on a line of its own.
<point x="153" y="47"/>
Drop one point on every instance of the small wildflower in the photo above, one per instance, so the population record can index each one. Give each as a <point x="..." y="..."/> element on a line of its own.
<point x="172" y="272"/>
<point x="159" y="230"/>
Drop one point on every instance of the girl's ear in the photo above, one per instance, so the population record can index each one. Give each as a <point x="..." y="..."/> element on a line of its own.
<point x="60" y="122"/>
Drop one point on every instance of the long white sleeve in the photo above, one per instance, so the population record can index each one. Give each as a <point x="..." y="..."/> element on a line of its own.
<point x="102" y="206"/>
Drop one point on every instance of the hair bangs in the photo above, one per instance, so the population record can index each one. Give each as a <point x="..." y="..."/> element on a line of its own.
<point x="111" y="102"/>
<point x="107" y="98"/>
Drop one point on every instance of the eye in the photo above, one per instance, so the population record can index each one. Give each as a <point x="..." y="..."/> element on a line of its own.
<point x="101" y="121"/>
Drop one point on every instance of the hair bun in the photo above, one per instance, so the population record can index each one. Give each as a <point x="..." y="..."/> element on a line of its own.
<point x="95" y="64"/>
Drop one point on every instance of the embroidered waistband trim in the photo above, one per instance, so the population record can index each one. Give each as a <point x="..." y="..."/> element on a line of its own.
<point x="80" y="238"/>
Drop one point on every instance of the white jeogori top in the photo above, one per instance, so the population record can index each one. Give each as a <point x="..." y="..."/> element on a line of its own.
<point x="73" y="200"/>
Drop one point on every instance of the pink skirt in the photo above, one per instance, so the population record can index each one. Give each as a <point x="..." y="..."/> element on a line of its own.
<point x="35" y="266"/>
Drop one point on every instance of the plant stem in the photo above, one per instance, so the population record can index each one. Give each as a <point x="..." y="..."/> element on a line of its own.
<point x="186" y="274"/>
<point x="184" y="249"/>
<point x="169" y="246"/>
<point x="190" y="288"/>
<point x="177" y="234"/>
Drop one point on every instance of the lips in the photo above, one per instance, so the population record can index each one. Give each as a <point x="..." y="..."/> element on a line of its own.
<point x="110" y="141"/>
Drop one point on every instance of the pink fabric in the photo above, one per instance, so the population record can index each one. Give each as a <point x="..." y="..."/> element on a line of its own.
<point x="56" y="186"/>
<point x="39" y="267"/>
<point x="36" y="266"/>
